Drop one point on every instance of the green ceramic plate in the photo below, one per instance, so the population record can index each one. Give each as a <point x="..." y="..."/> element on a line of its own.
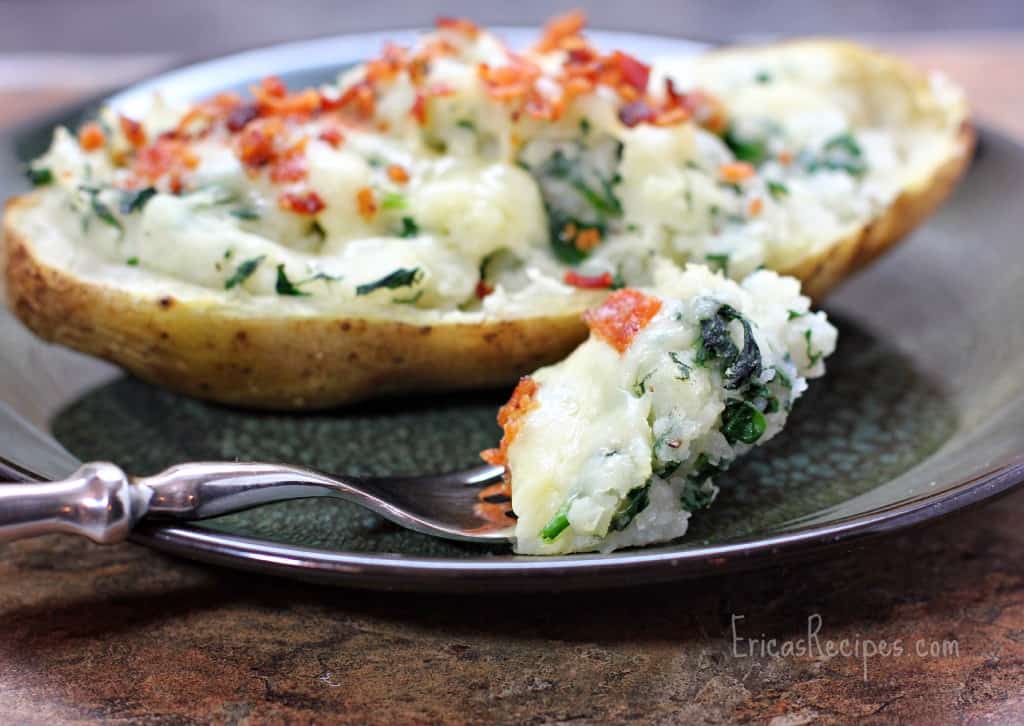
<point x="922" y="411"/>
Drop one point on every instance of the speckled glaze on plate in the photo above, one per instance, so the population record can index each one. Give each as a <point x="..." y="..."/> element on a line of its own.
<point x="922" y="412"/>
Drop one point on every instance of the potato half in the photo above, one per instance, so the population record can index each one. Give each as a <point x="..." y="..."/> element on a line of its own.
<point x="248" y="352"/>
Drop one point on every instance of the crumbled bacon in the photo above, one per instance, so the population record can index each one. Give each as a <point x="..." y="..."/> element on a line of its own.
<point x="397" y="173"/>
<point x="291" y="166"/>
<point x="301" y="203"/>
<point x="256" y="144"/>
<point x="132" y="130"/>
<point x="366" y="203"/>
<point x="168" y="157"/>
<point x="272" y="98"/>
<point x="419" y="109"/>
<point x="736" y="171"/>
<point x="459" y="25"/>
<point x="483" y="289"/>
<point x="358" y="101"/>
<point x="511" y="419"/>
<point x="332" y="136"/>
<point x="636" y="112"/>
<point x="91" y="137"/>
<point x="619" y="318"/>
<point x="393" y="59"/>
<point x="560" y="31"/>
<point x="239" y="116"/>
<point x="589" y="282"/>
<point x="634" y="73"/>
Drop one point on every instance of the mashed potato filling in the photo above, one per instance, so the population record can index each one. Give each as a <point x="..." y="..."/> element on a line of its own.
<point x="620" y="443"/>
<point x="462" y="176"/>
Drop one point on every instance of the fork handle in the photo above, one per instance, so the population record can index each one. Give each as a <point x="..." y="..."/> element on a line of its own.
<point x="98" y="501"/>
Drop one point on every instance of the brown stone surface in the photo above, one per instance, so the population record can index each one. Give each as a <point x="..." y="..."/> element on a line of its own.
<point x="121" y="633"/>
<point x="88" y="632"/>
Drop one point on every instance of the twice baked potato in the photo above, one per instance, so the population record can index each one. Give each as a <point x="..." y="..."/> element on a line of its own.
<point x="440" y="217"/>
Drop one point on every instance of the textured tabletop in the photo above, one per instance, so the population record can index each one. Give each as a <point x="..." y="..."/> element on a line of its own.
<point x="925" y="627"/>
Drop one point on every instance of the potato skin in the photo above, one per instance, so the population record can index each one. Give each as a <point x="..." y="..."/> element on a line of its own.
<point x="822" y="272"/>
<point x="306" y="363"/>
<point x="286" y="363"/>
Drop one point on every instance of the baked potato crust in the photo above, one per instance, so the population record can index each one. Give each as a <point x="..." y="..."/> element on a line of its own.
<point x="314" y="362"/>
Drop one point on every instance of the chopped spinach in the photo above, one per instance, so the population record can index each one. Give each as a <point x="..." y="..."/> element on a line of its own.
<point x="715" y="343"/>
<point x="392" y="200"/>
<point x="133" y="200"/>
<point x="245" y="213"/>
<point x="635" y="501"/>
<point x="556" y="525"/>
<point x="741" y="421"/>
<point x="640" y="386"/>
<point x="718" y="263"/>
<point x="402" y="277"/>
<point x="285" y="286"/>
<point x="763" y="77"/>
<point x="101" y="210"/>
<point x="794" y="314"/>
<point x="778" y="190"/>
<point x="465" y="123"/>
<point x="409" y="228"/>
<point x="696" y="495"/>
<point x="840" y="153"/>
<point x="684" y="370"/>
<point x="132" y="262"/>
<point x="39" y="177"/>
<point x="811" y="356"/>
<point x="584" y="125"/>
<point x="751" y="150"/>
<point x="243" y="272"/>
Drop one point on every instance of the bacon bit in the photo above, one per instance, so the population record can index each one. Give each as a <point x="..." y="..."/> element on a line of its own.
<point x="272" y="103"/>
<point x="272" y="86"/>
<point x="393" y="59"/>
<point x="332" y="137"/>
<point x="587" y="239"/>
<point x="441" y="90"/>
<point x="510" y="82"/>
<point x="483" y="289"/>
<point x="755" y="207"/>
<point x="419" y="109"/>
<point x="510" y="418"/>
<point x="636" y="113"/>
<point x="634" y="73"/>
<point x="494" y="504"/>
<point x="366" y="203"/>
<point x="785" y="157"/>
<point x="305" y="203"/>
<point x="459" y="25"/>
<point x="132" y="131"/>
<point x="240" y="116"/>
<point x="561" y="30"/>
<point x="736" y="171"/>
<point x="397" y="173"/>
<point x="671" y="117"/>
<point x="291" y="168"/>
<point x="167" y="156"/>
<point x="358" y="100"/>
<point x="589" y="282"/>
<point x="619" y="318"/>
<point x="91" y="137"/>
<point x="255" y="146"/>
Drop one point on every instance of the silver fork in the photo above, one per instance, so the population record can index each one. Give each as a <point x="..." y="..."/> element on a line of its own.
<point x="101" y="502"/>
